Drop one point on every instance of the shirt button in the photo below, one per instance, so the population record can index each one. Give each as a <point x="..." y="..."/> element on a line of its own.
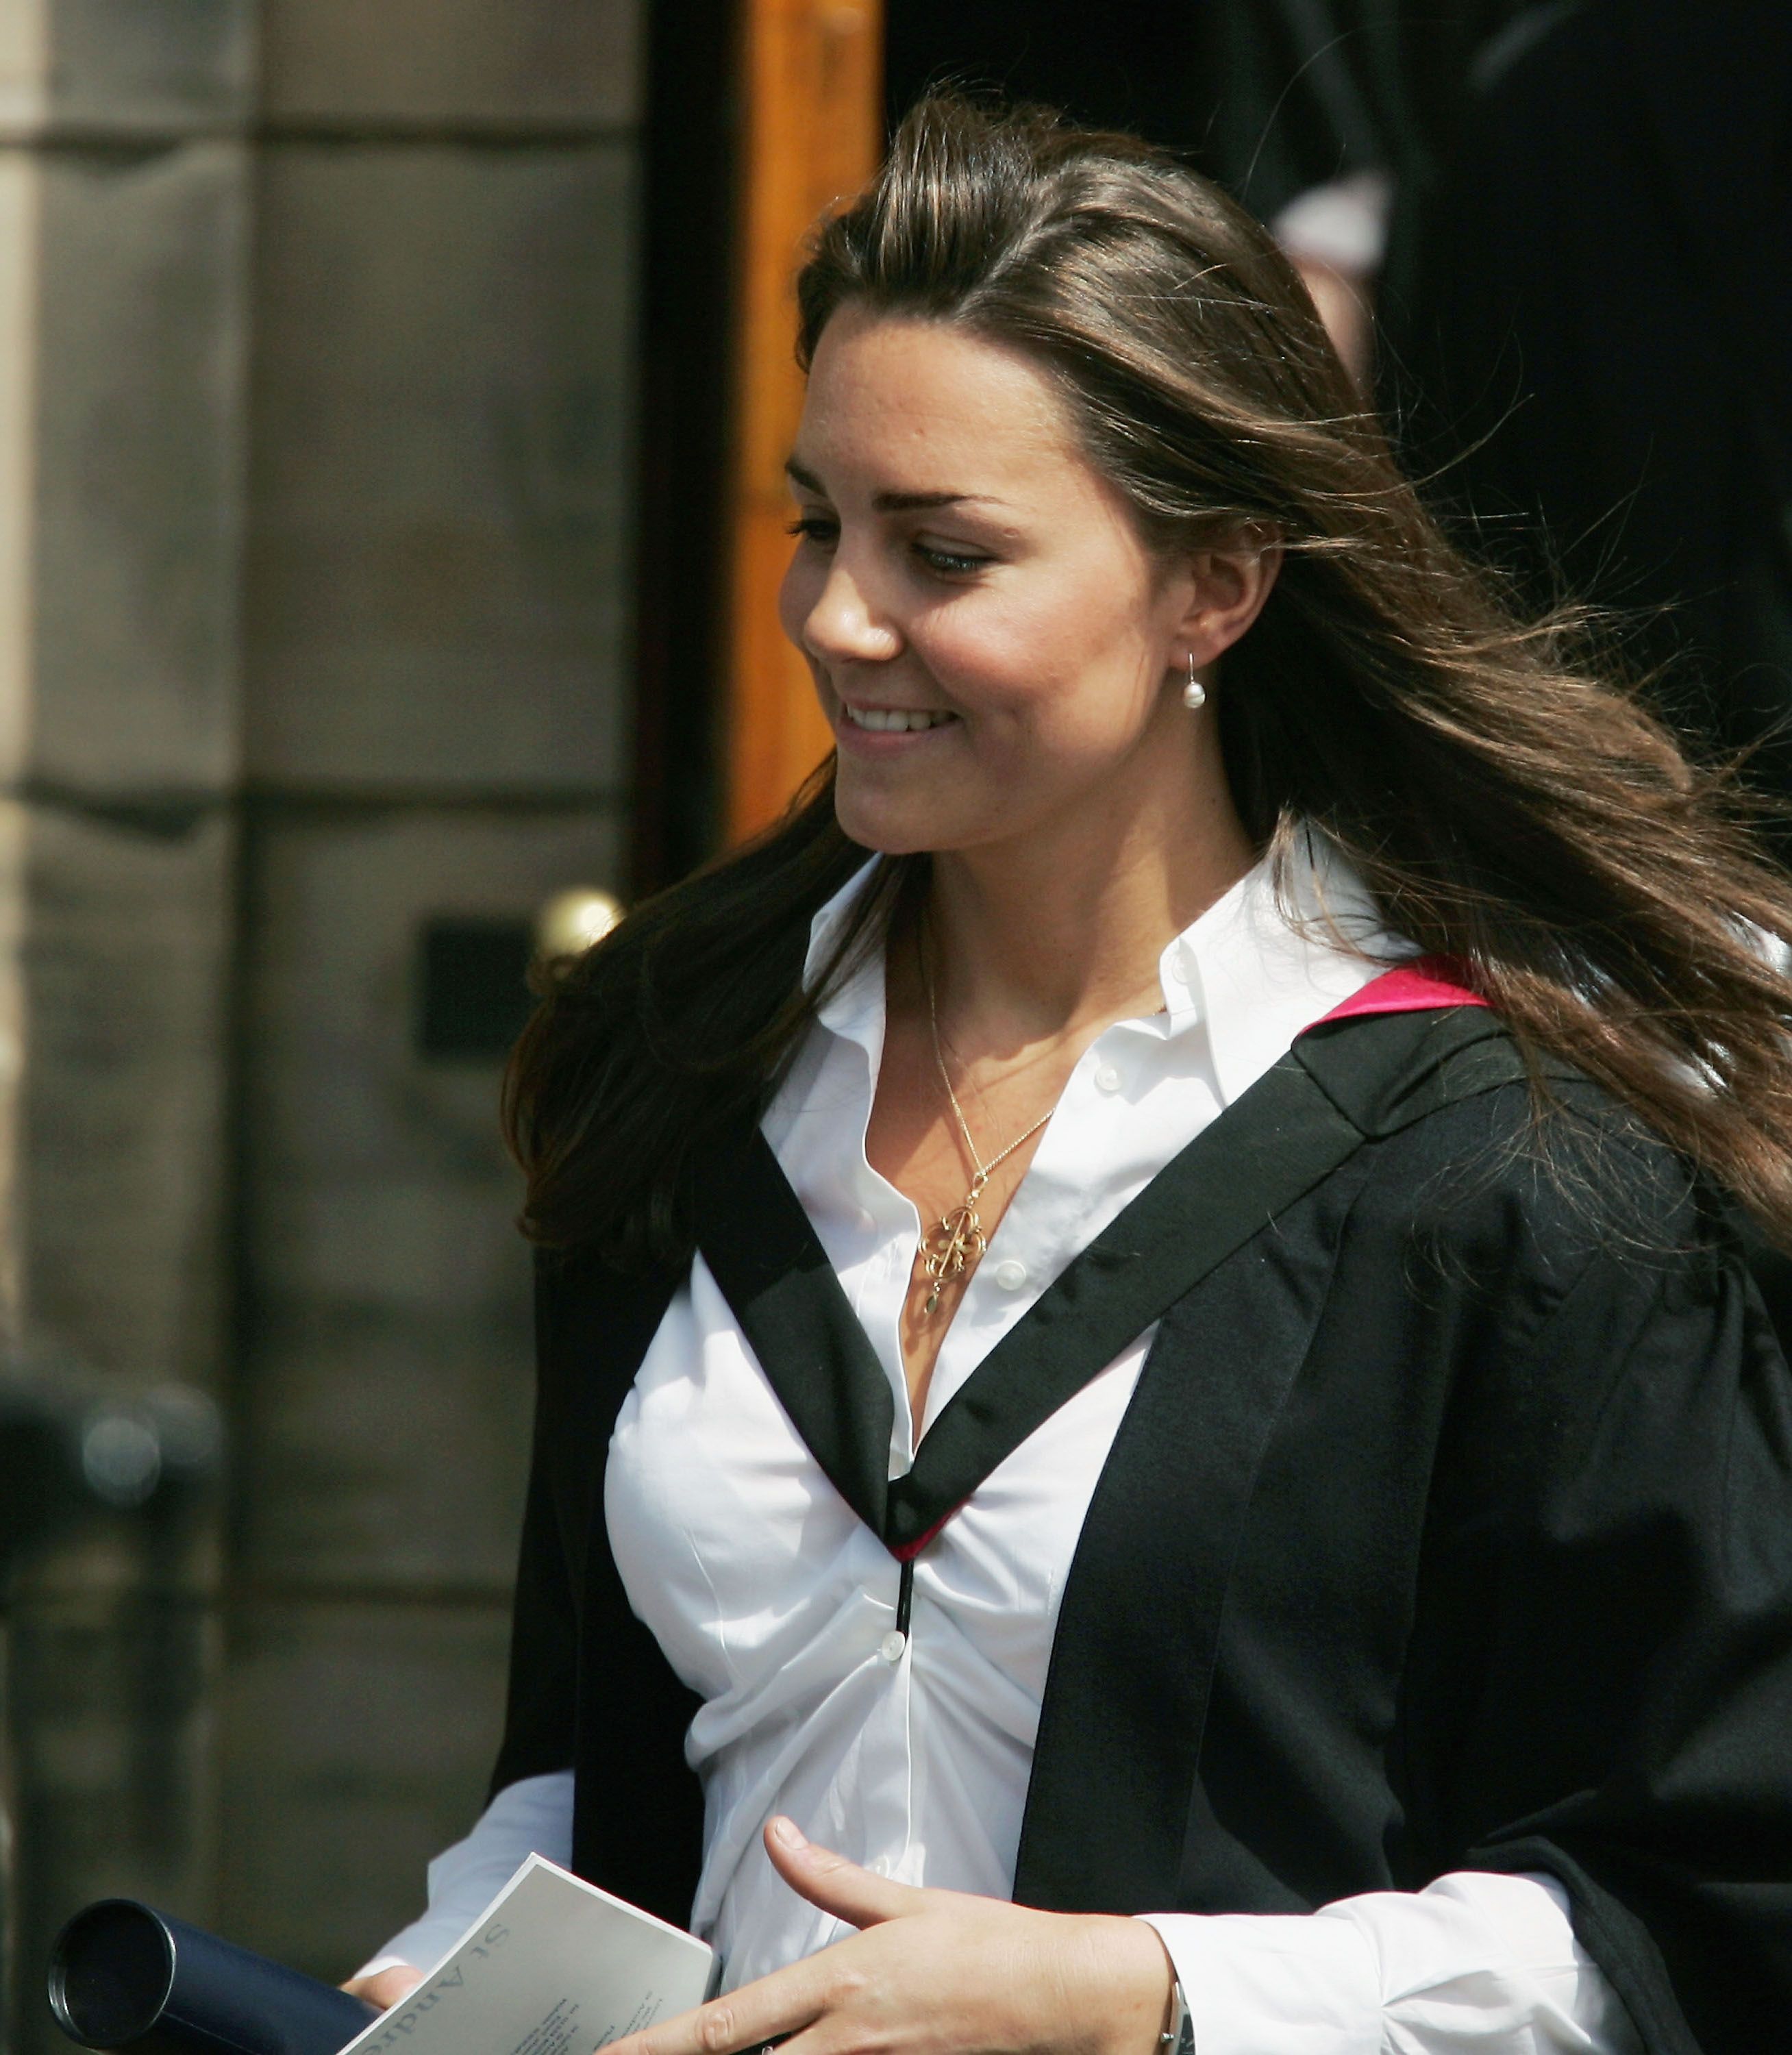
<point x="891" y="1646"/>
<point x="1010" y="1275"/>
<point x="867" y="1219"/>
<point x="1107" y="1078"/>
<point x="1178" y="970"/>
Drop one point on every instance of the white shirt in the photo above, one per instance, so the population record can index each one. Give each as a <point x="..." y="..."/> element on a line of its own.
<point x="911" y="1754"/>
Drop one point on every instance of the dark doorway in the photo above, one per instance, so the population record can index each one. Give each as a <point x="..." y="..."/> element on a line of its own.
<point x="1130" y="63"/>
<point x="690" y="121"/>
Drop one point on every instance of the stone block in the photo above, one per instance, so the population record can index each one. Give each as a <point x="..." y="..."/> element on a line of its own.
<point x="131" y="67"/>
<point x="553" y="63"/>
<point x="356" y="1743"/>
<point x="123" y="967"/>
<point x="387" y="1387"/>
<point x="156" y="65"/>
<point x="437" y="576"/>
<point x="141" y="346"/>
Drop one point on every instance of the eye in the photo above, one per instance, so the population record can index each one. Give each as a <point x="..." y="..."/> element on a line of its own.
<point x="949" y="563"/>
<point x="820" y="529"/>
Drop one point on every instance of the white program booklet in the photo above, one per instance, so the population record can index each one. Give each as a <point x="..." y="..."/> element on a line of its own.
<point x="552" y="1967"/>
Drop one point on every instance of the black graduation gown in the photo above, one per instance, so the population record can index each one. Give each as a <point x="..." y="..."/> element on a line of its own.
<point x="1450" y="1526"/>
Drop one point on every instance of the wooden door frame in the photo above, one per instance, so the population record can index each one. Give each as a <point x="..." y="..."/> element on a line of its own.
<point x="812" y="134"/>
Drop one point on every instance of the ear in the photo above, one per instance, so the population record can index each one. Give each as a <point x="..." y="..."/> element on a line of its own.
<point x="1229" y="585"/>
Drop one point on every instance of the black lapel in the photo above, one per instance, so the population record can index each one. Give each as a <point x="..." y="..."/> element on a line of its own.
<point x="1295" y="1125"/>
<point x="1108" y="1801"/>
<point x="1114" y="1807"/>
<point x="776" y="1276"/>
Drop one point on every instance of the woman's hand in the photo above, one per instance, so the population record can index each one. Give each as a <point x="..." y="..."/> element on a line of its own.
<point x="386" y="1987"/>
<point x="934" y="1973"/>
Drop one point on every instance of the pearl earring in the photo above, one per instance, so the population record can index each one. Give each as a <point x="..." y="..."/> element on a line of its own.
<point x="1194" y="693"/>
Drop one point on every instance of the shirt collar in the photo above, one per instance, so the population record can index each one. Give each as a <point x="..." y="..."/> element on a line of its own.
<point x="1261" y="965"/>
<point x="853" y="1009"/>
<point x="1255" y="969"/>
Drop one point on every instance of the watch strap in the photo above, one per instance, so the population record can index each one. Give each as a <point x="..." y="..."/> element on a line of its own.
<point x="1177" y="2037"/>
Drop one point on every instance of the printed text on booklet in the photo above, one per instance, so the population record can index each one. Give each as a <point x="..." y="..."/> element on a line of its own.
<point x="552" y="1967"/>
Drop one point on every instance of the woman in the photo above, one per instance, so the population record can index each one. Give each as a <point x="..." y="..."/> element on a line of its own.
<point x="1124" y="1394"/>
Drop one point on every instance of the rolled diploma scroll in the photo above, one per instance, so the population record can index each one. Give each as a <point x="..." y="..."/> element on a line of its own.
<point x="124" y="1976"/>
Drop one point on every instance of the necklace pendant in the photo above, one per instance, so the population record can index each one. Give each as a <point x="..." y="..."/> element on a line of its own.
<point x="954" y="1245"/>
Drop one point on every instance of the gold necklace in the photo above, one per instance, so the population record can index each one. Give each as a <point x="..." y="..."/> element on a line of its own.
<point x="956" y="1239"/>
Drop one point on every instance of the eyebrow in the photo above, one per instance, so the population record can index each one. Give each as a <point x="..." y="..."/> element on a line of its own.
<point x="891" y="502"/>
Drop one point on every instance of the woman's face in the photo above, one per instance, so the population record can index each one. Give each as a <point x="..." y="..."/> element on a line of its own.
<point x="989" y="638"/>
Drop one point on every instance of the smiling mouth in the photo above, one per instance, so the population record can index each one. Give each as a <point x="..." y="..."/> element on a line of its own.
<point x="892" y="721"/>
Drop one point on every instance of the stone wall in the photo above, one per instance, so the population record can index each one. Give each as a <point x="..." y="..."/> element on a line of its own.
<point x="125" y="205"/>
<point x="315" y="406"/>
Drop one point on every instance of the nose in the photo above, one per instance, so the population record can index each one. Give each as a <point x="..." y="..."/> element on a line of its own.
<point x="843" y="624"/>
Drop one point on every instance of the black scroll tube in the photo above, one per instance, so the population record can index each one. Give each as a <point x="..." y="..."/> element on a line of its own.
<point x="124" y="1976"/>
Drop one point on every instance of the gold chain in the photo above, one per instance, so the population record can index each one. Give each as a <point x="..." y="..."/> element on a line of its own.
<point x="957" y="1239"/>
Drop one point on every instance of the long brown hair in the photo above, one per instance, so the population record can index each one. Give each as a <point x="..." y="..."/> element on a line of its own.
<point x="1505" y="804"/>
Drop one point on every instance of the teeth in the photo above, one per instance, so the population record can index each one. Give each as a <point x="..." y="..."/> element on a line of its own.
<point x="891" y="720"/>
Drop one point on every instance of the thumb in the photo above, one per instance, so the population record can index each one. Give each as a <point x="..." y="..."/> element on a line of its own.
<point x="831" y="1882"/>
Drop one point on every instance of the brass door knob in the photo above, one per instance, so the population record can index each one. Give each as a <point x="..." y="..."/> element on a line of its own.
<point x="568" y="923"/>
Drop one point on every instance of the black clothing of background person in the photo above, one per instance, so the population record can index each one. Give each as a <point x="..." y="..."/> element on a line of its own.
<point x="1449" y="1527"/>
<point x="1589" y="320"/>
<point x="1291" y="94"/>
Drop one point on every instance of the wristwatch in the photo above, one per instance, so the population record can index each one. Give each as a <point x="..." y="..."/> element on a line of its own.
<point x="1177" y="2037"/>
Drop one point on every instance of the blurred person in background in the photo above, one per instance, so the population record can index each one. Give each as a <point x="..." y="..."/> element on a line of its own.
<point x="1555" y="236"/>
<point x="1137" y="1310"/>
<point x="1588" y="342"/>
<point x="1318" y="113"/>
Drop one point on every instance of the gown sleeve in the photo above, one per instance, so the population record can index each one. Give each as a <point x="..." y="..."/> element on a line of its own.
<point x="1601" y="1683"/>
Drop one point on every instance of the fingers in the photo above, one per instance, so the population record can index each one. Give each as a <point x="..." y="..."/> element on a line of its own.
<point x="771" y="2009"/>
<point x="831" y="1882"/>
<point x="790" y="2000"/>
<point x="387" y="1986"/>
